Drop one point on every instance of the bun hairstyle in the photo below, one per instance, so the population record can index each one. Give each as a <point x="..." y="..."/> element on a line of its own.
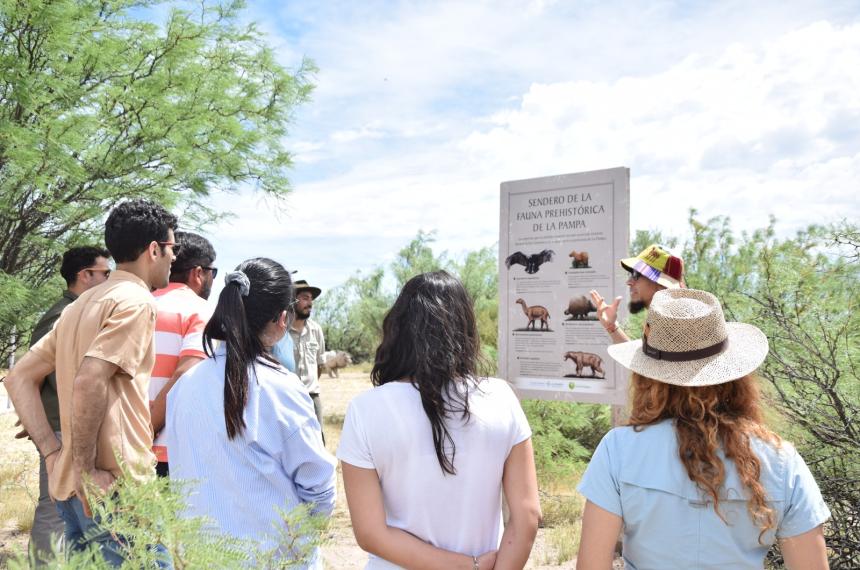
<point x="254" y="295"/>
<point x="430" y="338"/>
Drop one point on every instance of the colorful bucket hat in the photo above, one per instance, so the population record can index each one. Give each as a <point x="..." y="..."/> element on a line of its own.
<point x="657" y="265"/>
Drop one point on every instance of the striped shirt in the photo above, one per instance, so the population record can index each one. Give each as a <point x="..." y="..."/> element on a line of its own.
<point x="279" y="460"/>
<point x="182" y="316"/>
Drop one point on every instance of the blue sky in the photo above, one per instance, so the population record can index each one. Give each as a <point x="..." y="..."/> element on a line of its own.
<point x="423" y="108"/>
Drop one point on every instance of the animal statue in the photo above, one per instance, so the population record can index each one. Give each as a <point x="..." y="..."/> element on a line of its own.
<point x="335" y="360"/>
<point x="579" y="307"/>
<point x="532" y="262"/>
<point x="578" y="259"/>
<point x="534" y="313"/>
<point x="586" y="359"/>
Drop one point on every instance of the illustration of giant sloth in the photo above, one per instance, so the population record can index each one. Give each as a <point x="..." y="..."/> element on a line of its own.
<point x="586" y="360"/>
<point x="532" y="262"/>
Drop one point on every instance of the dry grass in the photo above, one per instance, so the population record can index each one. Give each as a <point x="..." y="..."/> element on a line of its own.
<point x="19" y="487"/>
<point x="562" y="508"/>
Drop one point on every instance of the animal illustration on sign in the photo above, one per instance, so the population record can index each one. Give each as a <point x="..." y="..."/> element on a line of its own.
<point x="578" y="259"/>
<point x="579" y="307"/>
<point x="532" y="262"/>
<point x="534" y="313"/>
<point x="334" y="360"/>
<point x="586" y="359"/>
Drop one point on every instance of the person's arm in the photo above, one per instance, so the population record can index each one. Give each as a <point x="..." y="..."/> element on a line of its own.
<point x="600" y="530"/>
<point x="311" y="467"/>
<point x="89" y="405"/>
<point x="805" y="551"/>
<point x="608" y="316"/>
<point x="519" y="481"/>
<point x="366" y="509"/>
<point x="320" y="357"/>
<point x="158" y="407"/>
<point x="24" y="385"/>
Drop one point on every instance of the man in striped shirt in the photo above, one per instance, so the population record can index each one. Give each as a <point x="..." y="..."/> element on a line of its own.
<point x="182" y="316"/>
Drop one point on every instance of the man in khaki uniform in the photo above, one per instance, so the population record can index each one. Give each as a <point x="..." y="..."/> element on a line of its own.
<point x="102" y="351"/>
<point x="309" y="343"/>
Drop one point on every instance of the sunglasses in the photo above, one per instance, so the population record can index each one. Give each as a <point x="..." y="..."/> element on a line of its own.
<point x="176" y="247"/>
<point x="635" y="275"/>
<point x="214" y="270"/>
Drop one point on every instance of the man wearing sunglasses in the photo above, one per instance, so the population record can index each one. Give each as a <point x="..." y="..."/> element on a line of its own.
<point x="182" y="316"/>
<point x="82" y="268"/>
<point x="102" y="349"/>
<point x="652" y="270"/>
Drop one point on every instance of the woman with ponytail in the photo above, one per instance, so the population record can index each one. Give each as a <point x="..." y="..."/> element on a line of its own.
<point x="243" y="427"/>
<point x="427" y="453"/>
<point x="696" y="479"/>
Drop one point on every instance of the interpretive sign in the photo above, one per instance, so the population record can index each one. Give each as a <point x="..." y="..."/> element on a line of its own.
<point x="560" y="237"/>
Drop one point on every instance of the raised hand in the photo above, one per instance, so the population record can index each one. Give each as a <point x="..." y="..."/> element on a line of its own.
<point x="606" y="314"/>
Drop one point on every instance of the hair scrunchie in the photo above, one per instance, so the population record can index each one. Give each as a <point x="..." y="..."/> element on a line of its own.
<point x="240" y="279"/>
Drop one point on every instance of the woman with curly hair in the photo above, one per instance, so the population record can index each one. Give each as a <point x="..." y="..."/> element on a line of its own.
<point x="427" y="453"/>
<point x="696" y="479"/>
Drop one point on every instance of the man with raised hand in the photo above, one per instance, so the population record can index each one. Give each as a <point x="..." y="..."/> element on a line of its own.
<point x="182" y="316"/>
<point x="82" y="268"/>
<point x="102" y="349"/>
<point x="652" y="270"/>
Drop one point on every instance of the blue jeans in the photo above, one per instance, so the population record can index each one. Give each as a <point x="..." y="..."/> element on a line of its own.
<point x="81" y="531"/>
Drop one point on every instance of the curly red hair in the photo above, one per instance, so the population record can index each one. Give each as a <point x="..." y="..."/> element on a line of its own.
<point x="706" y="419"/>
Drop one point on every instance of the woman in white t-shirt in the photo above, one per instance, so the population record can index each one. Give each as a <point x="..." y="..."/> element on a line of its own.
<point x="427" y="453"/>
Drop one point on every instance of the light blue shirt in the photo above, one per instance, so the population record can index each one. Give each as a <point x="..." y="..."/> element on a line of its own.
<point x="278" y="461"/>
<point x="670" y="523"/>
<point x="284" y="352"/>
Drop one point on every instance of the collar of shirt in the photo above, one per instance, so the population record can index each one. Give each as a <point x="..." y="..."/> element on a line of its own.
<point x="120" y="275"/>
<point x="171" y="287"/>
<point x="69" y="295"/>
<point x="303" y="332"/>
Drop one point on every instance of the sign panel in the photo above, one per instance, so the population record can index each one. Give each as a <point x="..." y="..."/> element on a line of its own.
<point x="561" y="237"/>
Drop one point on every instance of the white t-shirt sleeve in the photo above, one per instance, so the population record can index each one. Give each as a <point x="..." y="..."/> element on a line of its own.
<point x="520" y="428"/>
<point x="354" y="448"/>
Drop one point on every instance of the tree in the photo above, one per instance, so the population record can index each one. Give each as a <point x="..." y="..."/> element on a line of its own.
<point x="98" y="104"/>
<point x="351" y="314"/>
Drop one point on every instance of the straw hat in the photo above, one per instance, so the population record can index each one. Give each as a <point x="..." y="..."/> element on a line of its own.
<point x="687" y="342"/>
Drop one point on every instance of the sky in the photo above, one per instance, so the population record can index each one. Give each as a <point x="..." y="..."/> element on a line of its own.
<point x="422" y="109"/>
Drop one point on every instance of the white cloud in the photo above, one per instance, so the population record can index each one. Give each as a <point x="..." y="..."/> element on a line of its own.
<point x="755" y="130"/>
<point x="423" y="109"/>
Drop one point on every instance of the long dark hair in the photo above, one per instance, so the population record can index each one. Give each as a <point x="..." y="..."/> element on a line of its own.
<point x="430" y="338"/>
<point x="238" y="321"/>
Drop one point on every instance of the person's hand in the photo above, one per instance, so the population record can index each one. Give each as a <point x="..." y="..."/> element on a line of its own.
<point x="98" y="482"/>
<point x="23" y="433"/>
<point x="606" y="314"/>
<point x="487" y="560"/>
<point x="50" y="461"/>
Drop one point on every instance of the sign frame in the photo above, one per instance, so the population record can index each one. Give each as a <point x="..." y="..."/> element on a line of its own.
<point x="553" y="213"/>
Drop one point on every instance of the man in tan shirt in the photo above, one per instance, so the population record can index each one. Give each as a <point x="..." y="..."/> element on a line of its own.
<point x="102" y="350"/>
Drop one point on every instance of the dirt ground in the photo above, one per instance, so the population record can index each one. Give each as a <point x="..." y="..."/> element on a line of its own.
<point x="339" y="552"/>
